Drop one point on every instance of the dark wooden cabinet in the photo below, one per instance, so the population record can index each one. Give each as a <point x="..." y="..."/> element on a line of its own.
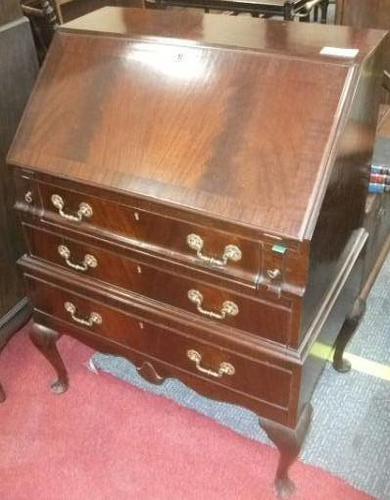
<point x="363" y="13"/>
<point x="374" y="14"/>
<point x="18" y="68"/>
<point x="72" y="9"/>
<point x="199" y="207"/>
<point x="377" y="219"/>
<point x="367" y="14"/>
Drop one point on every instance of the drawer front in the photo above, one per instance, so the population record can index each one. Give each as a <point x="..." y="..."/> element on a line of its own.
<point x="266" y="319"/>
<point x="202" y="246"/>
<point x="264" y="381"/>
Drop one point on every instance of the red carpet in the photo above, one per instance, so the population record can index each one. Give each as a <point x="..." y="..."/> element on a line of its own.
<point x="104" y="439"/>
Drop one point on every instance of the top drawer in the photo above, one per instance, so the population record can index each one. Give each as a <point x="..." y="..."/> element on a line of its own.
<point x="139" y="224"/>
<point x="202" y="246"/>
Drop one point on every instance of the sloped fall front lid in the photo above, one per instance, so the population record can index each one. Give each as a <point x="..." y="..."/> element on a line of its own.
<point x="239" y="133"/>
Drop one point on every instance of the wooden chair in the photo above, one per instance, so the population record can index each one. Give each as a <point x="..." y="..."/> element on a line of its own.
<point x="288" y="9"/>
<point x="44" y="16"/>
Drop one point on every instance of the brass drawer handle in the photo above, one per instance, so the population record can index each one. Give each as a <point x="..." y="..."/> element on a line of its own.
<point x="228" y="308"/>
<point x="84" y="210"/>
<point x="94" y="318"/>
<point x="224" y="368"/>
<point x="231" y="252"/>
<point x="89" y="261"/>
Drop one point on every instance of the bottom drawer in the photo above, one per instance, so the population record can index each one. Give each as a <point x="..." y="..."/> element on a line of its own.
<point x="267" y="382"/>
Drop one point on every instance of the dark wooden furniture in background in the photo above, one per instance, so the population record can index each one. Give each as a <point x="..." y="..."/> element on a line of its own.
<point x="371" y="14"/>
<point x="287" y="9"/>
<point x="378" y="207"/>
<point x="71" y="9"/>
<point x="18" y="68"/>
<point x="363" y="13"/>
<point x="44" y="17"/>
<point x="190" y="214"/>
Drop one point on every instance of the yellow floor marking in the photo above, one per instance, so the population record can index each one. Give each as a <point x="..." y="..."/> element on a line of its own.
<point x="359" y="364"/>
<point x="321" y="351"/>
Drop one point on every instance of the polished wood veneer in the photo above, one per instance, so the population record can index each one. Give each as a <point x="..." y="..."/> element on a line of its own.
<point x="265" y="318"/>
<point x="214" y="174"/>
<point x="199" y="206"/>
<point x="158" y="232"/>
<point x="164" y="344"/>
<point x="303" y="39"/>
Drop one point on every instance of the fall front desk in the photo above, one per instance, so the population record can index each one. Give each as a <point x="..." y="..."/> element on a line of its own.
<point x="192" y="191"/>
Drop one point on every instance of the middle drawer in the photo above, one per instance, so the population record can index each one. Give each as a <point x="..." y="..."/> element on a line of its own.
<point x="206" y="302"/>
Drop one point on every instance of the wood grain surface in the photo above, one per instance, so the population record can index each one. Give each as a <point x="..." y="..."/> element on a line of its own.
<point x="199" y="128"/>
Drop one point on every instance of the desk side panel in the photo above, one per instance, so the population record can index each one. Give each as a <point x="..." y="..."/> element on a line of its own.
<point x="343" y="207"/>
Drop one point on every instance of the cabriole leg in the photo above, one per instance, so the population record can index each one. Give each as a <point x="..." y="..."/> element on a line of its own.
<point x="45" y="340"/>
<point x="289" y="443"/>
<point x="349" y="327"/>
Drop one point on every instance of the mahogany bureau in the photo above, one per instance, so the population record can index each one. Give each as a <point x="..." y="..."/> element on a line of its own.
<point x="192" y="190"/>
